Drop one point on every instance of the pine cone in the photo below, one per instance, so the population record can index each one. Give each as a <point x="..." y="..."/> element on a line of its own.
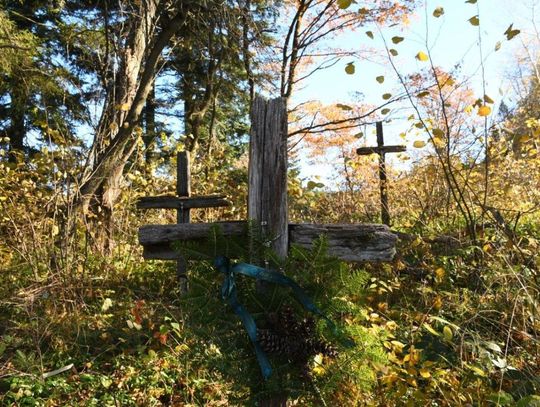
<point x="273" y="343"/>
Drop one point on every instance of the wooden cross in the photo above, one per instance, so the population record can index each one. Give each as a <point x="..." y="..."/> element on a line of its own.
<point x="183" y="202"/>
<point x="382" y="150"/>
<point x="267" y="204"/>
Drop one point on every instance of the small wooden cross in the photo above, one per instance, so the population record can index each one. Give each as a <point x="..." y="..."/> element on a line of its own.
<point x="182" y="202"/>
<point x="382" y="150"/>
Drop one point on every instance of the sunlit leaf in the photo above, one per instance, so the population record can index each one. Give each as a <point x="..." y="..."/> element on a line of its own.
<point x="107" y="303"/>
<point x="439" y="11"/>
<point x="484" y="110"/>
<point x="380" y="79"/>
<point x="474" y="21"/>
<point x="422" y="56"/>
<point x="349" y="68"/>
<point x="419" y="144"/>
<point x="447" y="333"/>
<point x="397" y="40"/>
<point x="425" y="373"/>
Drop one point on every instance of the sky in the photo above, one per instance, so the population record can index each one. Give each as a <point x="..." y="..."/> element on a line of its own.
<point x="451" y="39"/>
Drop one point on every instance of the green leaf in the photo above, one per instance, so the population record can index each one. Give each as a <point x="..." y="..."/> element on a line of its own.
<point x="397" y="40"/>
<point x="350" y="69"/>
<point x="393" y="52"/>
<point x="380" y="79"/>
<point x="387" y="96"/>
<point x="106" y="382"/>
<point x="439" y="11"/>
<point x="529" y="401"/>
<point x="511" y="33"/>
<point x="474" y="21"/>
<point x="369" y="34"/>
<point x="501" y="398"/>
<point x="385" y="111"/>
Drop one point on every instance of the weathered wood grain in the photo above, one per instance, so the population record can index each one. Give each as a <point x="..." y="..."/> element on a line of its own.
<point x="349" y="242"/>
<point x="175" y="202"/>
<point x="157" y="234"/>
<point x="267" y="188"/>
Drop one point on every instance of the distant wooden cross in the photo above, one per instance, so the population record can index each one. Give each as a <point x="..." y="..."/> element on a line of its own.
<point x="183" y="202"/>
<point x="382" y="150"/>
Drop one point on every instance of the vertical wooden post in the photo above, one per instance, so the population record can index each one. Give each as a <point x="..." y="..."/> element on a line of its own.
<point x="267" y="185"/>
<point x="183" y="189"/>
<point x="267" y="191"/>
<point x="385" y="212"/>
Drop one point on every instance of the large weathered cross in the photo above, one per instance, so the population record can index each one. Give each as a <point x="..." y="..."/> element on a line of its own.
<point x="382" y="150"/>
<point x="267" y="204"/>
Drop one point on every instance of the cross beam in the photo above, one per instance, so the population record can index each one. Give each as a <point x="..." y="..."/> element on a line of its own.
<point x="382" y="150"/>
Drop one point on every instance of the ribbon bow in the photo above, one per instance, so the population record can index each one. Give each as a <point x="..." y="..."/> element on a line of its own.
<point x="229" y="293"/>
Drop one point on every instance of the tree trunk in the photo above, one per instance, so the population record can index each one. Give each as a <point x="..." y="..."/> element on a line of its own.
<point x="114" y="144"/>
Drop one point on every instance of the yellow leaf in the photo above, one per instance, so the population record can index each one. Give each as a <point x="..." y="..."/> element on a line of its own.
<point x="484" y="111"/>
<point x="511" y="33"/>
<point x="422" y="56"/>
<point x="425" y="373"/>
<point x="437" y="304"/>
<point x="349" y="68"/>
<point x="419" y="144"/>
<point x="440" y="273"/>
<point x="55" y="230"/>
<point x="469" y="109"/>
<point x="474" y="21"/>
<point x="124" y="107"/>
<point x="447" y="333"/>
<point x="343" y="4"/>
<point x="439" y="11"/>
<point x="438" y="132"/>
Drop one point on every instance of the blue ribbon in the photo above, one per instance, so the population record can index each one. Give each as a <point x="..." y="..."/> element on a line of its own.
<point x="229" y="293"/>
